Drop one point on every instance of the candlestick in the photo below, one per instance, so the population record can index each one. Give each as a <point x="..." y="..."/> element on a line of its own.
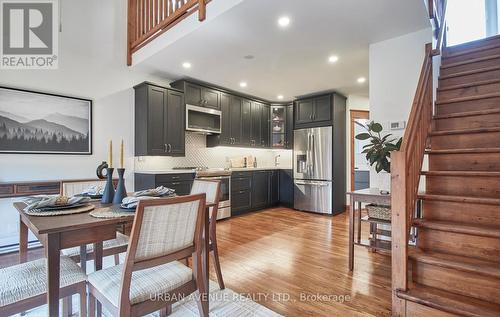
<point x="121" y="155"/>
<point x="110" y="154"/>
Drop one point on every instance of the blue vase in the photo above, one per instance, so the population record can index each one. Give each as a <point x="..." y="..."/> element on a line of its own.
<point x="109" y="191"/>
<point x="121" y="192"/>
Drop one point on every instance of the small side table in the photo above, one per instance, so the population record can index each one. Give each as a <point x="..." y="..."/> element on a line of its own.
<point x="370" y="196"/>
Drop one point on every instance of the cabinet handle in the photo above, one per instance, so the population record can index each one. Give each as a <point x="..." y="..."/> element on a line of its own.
<point x="242" y="191"/>
<point x="175" y="177"/>
<point x="165" y="148"/>
<point x="176" y="183"/>
<point x="169" y="148"/>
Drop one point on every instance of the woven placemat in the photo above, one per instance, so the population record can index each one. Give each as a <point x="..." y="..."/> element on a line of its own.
<point x="112" y="212"/>
<point x="69" y="211"/>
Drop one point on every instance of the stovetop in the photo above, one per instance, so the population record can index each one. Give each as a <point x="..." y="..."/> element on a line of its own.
<point x="206" y="172"/>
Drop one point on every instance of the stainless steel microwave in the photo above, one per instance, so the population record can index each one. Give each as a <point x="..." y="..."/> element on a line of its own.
<point x="203" y="120"/>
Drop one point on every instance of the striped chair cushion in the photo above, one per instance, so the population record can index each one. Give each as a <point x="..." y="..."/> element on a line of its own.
<point x="120" y="240"/>
<point x="145" y="283"/>
<point x="26" y="280"/>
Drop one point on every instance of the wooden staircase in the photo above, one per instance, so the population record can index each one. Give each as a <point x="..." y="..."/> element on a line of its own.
<point x="454" y="268"/>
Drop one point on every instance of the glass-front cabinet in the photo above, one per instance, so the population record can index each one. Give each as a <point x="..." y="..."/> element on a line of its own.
<point x="281" y="127"/>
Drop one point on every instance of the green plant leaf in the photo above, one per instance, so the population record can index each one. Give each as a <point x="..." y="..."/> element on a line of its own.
<point x="376" y="127"/>
<point x="363" y="136"/>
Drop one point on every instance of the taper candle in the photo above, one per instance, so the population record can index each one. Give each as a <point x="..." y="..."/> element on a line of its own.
<point x="121" y="155"/>
<point x="110" y="154"/>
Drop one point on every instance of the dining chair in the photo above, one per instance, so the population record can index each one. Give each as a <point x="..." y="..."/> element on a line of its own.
<point x="24" y="286"/>
<point x="151" y="279"/>
<point x="212" y="189"/>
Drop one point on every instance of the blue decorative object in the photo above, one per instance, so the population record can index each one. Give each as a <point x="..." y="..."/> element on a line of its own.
<point x="109" y="191"/>
<point x="121" y="192"/>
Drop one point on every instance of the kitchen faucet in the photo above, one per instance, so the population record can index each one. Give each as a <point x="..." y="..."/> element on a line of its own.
<point x="277" y="160"/>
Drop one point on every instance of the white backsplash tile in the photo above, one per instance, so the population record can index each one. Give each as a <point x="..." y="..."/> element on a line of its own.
<point x="198" y="155"/>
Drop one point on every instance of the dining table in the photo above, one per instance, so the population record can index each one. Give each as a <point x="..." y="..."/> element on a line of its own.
<point x="56" y="233"/>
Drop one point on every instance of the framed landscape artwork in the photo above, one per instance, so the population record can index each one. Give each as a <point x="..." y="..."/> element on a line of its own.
<point x="40" y="123"/>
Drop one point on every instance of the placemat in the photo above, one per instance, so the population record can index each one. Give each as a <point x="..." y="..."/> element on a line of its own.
<point x="36" y="212"/>
<point x="112" y="212"/>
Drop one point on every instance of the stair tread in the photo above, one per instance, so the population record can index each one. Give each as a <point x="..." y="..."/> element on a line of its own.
<point x="470" y="84"/>
<point x="467" y="113"/>
<point x="449" y="302"/>
<point x="464" y="151"/>
<point x="456" y="227"/>
<point x="470" y="72"/>
<point x="462" y="173"/>
<point x="470" y="61"/>
<point x="458" y="262"/>
<point x="462" y="199"/>
<point x="467" y="50"/>
<point x="468" y="98"/>
<point x="466" y="131"/>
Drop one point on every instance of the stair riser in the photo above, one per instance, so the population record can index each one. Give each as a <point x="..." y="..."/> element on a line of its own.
<point x="472" y="45"/>
<point x="467" y="140"/>
<point x="469" y="91"/>
<point x="469" y="66"/>
<point x="464" y="106"/>
<point x="484" y="248"/>
<point x="465" y="162"/>
<point x="418" y="310"/>
<point x="450" y="59"/>
<point x="470" y="122"/>
<point x="459" y="282"/>
<point x="473" y="186"/>
<point x="461" y="212"/>
<point x="466" y="79"/>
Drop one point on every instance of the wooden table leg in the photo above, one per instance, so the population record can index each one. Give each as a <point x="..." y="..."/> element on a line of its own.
<point x="52" y="252"/>
<point x="351" y="235"/>
<point x="359" y="222"/>
<point x="23" y="241"/>
<point x="83" y="257"/>
<point x="97" y="267"/>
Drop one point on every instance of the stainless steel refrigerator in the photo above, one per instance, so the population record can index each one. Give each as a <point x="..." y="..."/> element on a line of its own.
<point x="313" y="169"/>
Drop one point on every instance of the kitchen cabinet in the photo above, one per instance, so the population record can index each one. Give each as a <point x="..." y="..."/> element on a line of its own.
<point x="274" y="187"/>
<point x="281" y="126"/>
<point x="259" y="135"/>
<point x="289" y="127"/>
<point x="313" y="111"/>
<point x="286" y="188"/>
<point x="260" y="189"/>
<point x="199" y="95"/>
<point x="159" y="121"/>
<point x="181" y="182"/>
<point x="241" y="193"/>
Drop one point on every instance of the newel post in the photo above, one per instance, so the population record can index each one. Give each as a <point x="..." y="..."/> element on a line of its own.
<point x="202" y="10"/>
<point x="399" y="228"/>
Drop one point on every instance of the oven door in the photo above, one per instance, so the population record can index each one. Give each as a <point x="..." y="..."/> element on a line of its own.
<point x="225" y="190"/>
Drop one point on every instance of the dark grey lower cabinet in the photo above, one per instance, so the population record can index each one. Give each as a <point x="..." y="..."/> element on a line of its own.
<point x="260" y="189"/>
<point x="181" y="183"/>
<point x="241" y="202"/>
<point x="286" y="188"/>
<point x="274" y="187"/>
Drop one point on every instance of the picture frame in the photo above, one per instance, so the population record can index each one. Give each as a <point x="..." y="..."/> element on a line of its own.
<point x="35" y="122"/>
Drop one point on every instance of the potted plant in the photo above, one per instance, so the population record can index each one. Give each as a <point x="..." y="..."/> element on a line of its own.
<point x="378" y="154"/>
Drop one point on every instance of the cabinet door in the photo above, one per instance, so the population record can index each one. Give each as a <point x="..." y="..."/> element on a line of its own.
<point x="265" y="126"/>
<point x="274" y="183"/>
<point x="175" y="130"/>
<point x="157" y="118"/>
<point x="289" y="127"/>
<point x="304" y="111"/>
<point x="260" y="189"/>
<point x="225" y="136"/>
<point x="210" y="98"/>
<point x="241" y="201"/>
<point x="256" y="124"/>
<point x="193" y="94"/>
<point x="235" y="110"/>
<point x="246" y="122"/>
<point x="286" y="188"/>
<point x="181" y="188"/>
<point x="322" y="109"/>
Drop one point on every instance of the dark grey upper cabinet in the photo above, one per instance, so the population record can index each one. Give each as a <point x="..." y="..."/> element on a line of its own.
<point x="246" y="122"/>
<point x="314" y="111"/>
<point x="159" y="121"/>
<point x="225" y="137"/>
<point x="260" y="127"/>
<point x="289" y="127"/>
<point x="265" y="126"/>
<point x="199" y="95"/>
<point x="235" y="114"/>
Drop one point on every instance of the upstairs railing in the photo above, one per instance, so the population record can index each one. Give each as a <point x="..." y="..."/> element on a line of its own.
<point x="147" y="19"/>
<point x="406" y="164"/>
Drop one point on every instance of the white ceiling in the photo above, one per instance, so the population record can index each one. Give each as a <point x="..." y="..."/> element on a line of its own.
<point x="291" y="61"/>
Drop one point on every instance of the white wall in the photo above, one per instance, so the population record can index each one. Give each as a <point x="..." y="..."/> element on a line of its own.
<point x="354" y="102"/>
<point x="394" y="71"/>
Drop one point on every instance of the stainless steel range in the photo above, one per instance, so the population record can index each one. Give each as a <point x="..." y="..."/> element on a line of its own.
<point x="222" y="175"/>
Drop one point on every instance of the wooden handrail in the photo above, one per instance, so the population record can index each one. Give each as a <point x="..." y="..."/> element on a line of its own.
<point x="148" y="19"/>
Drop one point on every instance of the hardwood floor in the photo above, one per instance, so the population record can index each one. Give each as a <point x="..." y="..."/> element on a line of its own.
<point x="279" y="256"/>
<point x="289" y="253"/>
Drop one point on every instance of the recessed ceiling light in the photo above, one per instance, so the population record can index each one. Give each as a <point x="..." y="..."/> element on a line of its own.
<point x="284" y="21"/>
<point x="248" y="57"/>
<point x="243" y="84"/>
<point x="333" y="59"/>
<point x="280" y="97"/>
<point x="186" y="65"/>
<point x="361" y="80"/>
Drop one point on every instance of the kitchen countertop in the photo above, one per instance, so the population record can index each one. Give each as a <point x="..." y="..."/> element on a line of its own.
<point x="235" y="169"/>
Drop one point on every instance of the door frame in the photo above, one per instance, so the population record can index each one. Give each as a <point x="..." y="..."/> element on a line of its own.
<point x="355" y="114"/>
